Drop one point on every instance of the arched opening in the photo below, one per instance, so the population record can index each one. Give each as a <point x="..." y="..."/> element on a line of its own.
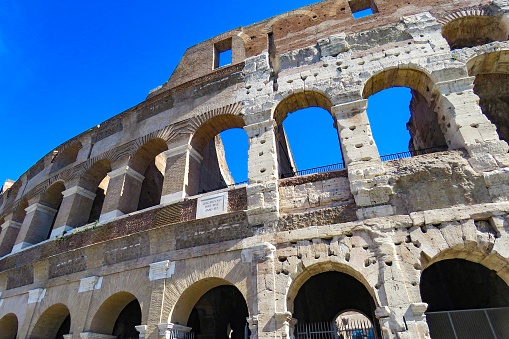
<point x="410" y="124"/>
<point x="212" y="171"/>
<point x="41" y="227"/>
<point x="236" y="145"/>
<point x="9" y="326"/>
<point x="492" y="86"/>
<point x="96" y="180"/>
<point x="9" y="234"/>
<point x="65" y="157"/>
<point x="333" y="304"/>
<point x="475" y="30"/>
<point x="220" y="313"/>
<point x="466" y="298"/>
<point x="118" y="315"/>
<point x="53" y="323"/>
<point x="150" y="161"/>
<point x="307" y="139"/>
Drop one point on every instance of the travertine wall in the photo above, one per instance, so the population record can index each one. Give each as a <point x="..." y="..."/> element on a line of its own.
<point x="381" y="223"/>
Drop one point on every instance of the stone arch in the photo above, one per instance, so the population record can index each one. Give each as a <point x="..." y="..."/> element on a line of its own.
<point x="106" y="318"/>
<point x="292" y="103"/>
<point x="96" y="180"/>
<point x="424" y="125"/>
<point x="54" y="322"/>
<point x="476" y="254"/>
<point x="208" y="169"/>
<point x="324" y="291"/>
<point x="298" y="101"/>
<point x="9" y="326"/>
<point x="457" y="284"/>
<point x="185" y="309"/>
<point x="473" y="27"/>
<point x="310" y="271"/>
<point x="491" y="84"/>
<point x="65" y="157"/>
<point x="149" y="161"/>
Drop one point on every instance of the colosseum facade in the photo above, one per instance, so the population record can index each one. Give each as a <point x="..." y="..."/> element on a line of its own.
<point x="134" y="229"/>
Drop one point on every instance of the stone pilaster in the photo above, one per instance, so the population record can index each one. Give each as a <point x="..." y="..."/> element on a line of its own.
<point x="182" y="173"/>
<point x="366" y="173"/>
<point x="74" y="211"/>
<point x="465" y="126"/>
<point x="265" y="321"/>
<point x="10" y="231"/>
<point x="170" y="330"/>
<point x="262" y="193"/>
<point x="123" y="193"/>
<point x="36" y="226"/>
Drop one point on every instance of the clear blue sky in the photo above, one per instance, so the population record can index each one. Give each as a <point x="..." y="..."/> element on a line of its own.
<point x="66" y="66"/>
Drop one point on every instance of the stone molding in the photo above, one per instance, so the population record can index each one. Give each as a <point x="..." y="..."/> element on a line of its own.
<point x="35" y="296"/>
<point x="11" y="223"/>
<point x="126" y="170"/>
<point x="184" y="149"/>
<point x="79" y="190"/>
<point x="42" y="208"/>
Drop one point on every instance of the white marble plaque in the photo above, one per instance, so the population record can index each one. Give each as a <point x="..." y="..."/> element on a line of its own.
<point x="208" y="206"/>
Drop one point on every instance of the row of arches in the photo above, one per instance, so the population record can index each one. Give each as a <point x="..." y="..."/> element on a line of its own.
<point x="155" y="171"/>
<point x="218" y="310"/>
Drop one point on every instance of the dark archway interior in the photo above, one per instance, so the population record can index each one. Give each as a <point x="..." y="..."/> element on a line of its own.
<point x="327" y="294"/>
<point x="9" y="326"/>
<point x="127" y="320"/>
<point x="493" y="91"/>
<point x="459" y="284"/>
<point x="219" y="314"/>
<point x="65" y="328"/>
<point x="151" y="188"/>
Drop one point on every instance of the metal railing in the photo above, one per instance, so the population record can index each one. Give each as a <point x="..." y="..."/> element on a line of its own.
<point x="388" y="157"/>
<point x="488" y="323"/>
<point x="410" y="154"/>
<point x="176" y="334"/>
<point x="321" y="169"/>
<point x="329" y="330"/>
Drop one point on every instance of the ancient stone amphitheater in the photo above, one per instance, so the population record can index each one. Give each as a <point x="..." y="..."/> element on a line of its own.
<point x="133" y="229"/>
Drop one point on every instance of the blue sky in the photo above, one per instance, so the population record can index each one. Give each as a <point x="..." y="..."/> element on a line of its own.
<point x="66" y="66"/>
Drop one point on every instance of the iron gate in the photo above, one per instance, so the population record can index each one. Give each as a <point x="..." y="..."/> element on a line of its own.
<point x="491" y="323"/>
<point x="329" y="330"/>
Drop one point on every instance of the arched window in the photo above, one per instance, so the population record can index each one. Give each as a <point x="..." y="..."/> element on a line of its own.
<point x="492" y="86"/>
<point x="475" y="30"/>
<point x="306" y="135"/>
<point x="212" y="171"/>
<point x="401" y="113"/>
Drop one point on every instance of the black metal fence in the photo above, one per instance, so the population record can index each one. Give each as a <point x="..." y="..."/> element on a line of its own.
<point x="357" y="329"/>
<point x="321" y="169"/>
<point x="410" y="154"/>
<point x="490" y="323"/>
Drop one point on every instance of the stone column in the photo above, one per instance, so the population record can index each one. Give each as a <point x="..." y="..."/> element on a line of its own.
<point x="465" y="126"/>
<point x="366" y="172"/>
<point x="10" y="230"/>
<point x="265" y="321"/>
<point x="84" y="297"/>
<point x="74" y="211"/>
<point x="182" y="173"/>
<point x="262" y="192"/>
<point x="36" y="226"/>
<point x="123" y="193"/>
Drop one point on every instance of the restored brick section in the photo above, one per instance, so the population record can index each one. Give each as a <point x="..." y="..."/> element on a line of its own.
<point x="213" y="230"/>
<point x="20" y="277"/>
<point x="169" y="215"/>
<point x="189" y="210"/>
<point x="326" y="216"/>
<point x="126" y="248"/>
<point x="35" y="169"/>
<point x="299" y="180"/>
<point x="67" y="263"/>
<point x="237" y="199"/>
<point x="107" y="129"/>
